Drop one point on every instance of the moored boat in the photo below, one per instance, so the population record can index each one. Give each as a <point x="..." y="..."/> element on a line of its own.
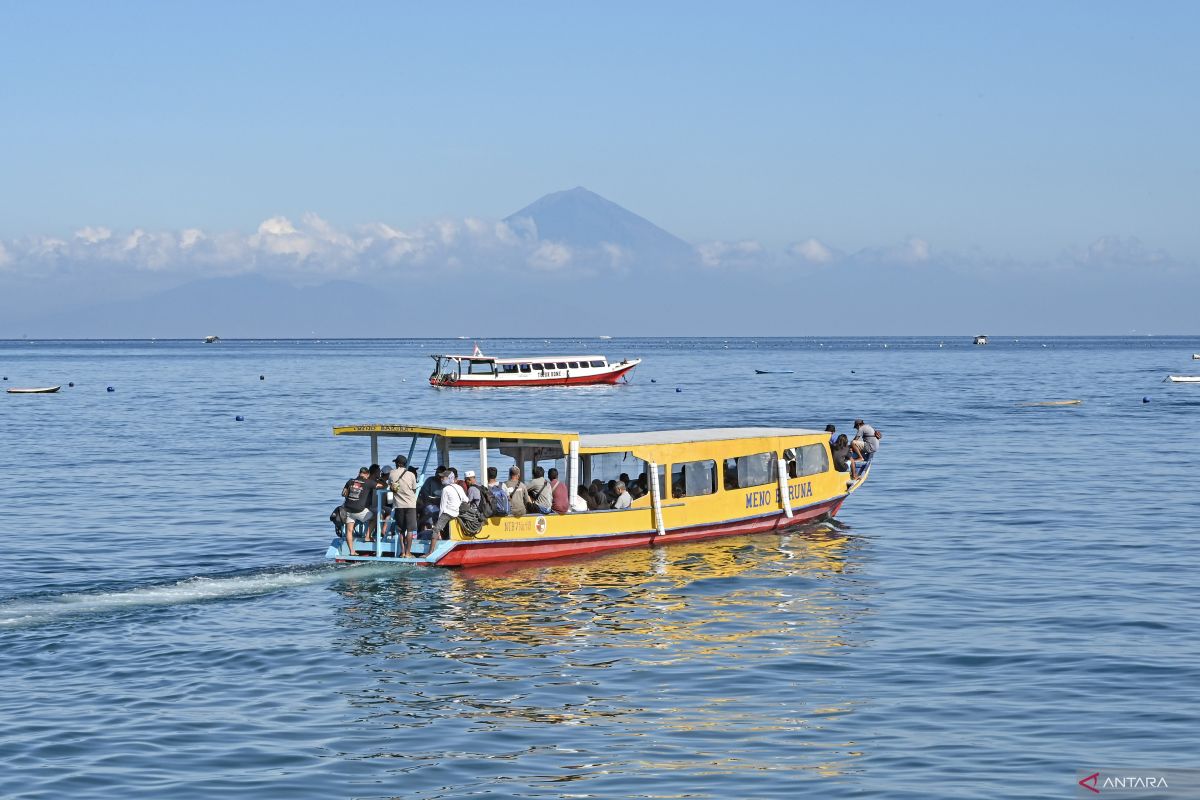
<point x="211" y="339"/>
<point x="1179" y="378"/>
<point x="1195" y="356"/>
<point x="698" y="484"/>
<point x="36" y="390"/>
<point x="477" y="370"/>
<point x="980" y="339"/>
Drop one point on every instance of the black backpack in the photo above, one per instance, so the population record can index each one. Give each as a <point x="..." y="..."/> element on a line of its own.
<point x="487" y="503"/>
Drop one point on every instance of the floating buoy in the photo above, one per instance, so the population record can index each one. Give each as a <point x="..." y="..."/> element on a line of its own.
<point x="678" y="389"/>
<point x="262" y="377"/>
<point x="652" y="380"/>
<point x="110" y="389"/>
<point x="71" y="384"/>
<point x="239" y="418"/>
<point x="1146" y="399"/>
<point x="851" y="372"/>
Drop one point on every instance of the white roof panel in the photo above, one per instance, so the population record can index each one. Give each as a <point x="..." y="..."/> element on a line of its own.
<point x="637" y="439"/>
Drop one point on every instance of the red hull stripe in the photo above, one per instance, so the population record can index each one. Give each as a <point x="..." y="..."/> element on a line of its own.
<point x="480" y="552"/>
<point x="604" y="377"/>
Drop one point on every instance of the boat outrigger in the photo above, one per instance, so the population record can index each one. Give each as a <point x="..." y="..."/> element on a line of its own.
<point x="700" y="484"/>
<point x="480" y="370"/>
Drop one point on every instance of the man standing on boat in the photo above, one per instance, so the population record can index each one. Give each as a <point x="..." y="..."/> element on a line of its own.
<point x="358" y="493"/>
<point x="403" y="483"/>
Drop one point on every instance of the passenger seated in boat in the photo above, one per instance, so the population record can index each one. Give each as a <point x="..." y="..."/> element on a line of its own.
<point x="430" y="497"/>
<point x="623" y="498"/>
<point x="842" y="457"/>
<point x="635" y="491"/>
<point x="598" y="497"/>
<point x="643" y="484"/>
<point x="541" y="494"/>
<point x="452" y="499"/>
<point x="518" y="493"/>
<point x="610" y="489"/>
<point x="376" y="482"/>
<point x="471" y="487"/>
<point x="357" y="493"/>
<point x="580" y="502"/>
<point x="499" y="493"/>
<point x="560" y="502"/>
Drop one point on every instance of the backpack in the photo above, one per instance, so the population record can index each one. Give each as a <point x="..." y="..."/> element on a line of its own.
<point x="487" y="502"/>
<point x="470" y="519"/>
<point x="499" y="501"/>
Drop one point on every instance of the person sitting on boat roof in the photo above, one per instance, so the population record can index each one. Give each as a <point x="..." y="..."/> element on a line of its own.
<point x="623" y="498"/>
<point x="541" y="494"/>
<point x="403" y="482"/>
<point x="560" y="497"/>
<point x="452" y="499"/>
<point x="357" y="494"/>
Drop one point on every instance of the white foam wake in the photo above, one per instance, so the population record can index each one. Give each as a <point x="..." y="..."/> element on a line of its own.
<point x="189" y="590"/>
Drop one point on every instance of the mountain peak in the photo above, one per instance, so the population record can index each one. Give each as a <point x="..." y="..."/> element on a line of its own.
<point x="582" y="219"/>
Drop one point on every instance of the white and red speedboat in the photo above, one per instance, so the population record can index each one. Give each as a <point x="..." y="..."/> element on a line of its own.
<point x="480" y="370"/>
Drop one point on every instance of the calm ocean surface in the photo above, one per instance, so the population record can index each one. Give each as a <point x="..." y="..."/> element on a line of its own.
<point x="1013" y="596"/>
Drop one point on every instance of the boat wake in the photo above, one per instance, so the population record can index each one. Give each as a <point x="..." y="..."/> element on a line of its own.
<point x="190" y="590"/>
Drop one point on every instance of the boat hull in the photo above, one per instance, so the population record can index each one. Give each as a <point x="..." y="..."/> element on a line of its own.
<point x="479" y="552"/>
<point x="40" y="390"/>
<point x="1184" y="378"/>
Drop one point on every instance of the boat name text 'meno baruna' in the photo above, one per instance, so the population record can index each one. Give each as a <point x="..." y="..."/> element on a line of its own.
<point x="699" y="484"/>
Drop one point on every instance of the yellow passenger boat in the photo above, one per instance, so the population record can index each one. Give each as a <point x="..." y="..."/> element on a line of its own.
<point x="700" y="484"/>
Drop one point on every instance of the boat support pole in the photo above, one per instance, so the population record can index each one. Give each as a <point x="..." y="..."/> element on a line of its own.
<point x="482" y="479"/>
<point x="573" y="474"/>
<point x="783" y="489"/>
<point x="656" y="499"/>
<point x="374" y="448"/>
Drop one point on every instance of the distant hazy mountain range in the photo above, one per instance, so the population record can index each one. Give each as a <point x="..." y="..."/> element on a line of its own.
<point x="614" y="261"/>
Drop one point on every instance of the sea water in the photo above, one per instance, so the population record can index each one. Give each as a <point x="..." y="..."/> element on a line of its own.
<point x="1012" y="597"/>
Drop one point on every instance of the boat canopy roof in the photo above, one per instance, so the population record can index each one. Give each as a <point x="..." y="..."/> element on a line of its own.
<point x="591" y="442"/>
<point x="518" y="360"/>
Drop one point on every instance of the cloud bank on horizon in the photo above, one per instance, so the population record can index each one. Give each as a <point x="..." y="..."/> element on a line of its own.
<point x="311" y="249"/>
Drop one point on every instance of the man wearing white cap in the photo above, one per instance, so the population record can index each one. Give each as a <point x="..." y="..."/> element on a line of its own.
<point x="472" y="487"/>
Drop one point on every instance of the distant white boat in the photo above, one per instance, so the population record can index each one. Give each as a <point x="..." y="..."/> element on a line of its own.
<point x="211" y="339"/>
<point x="609" y="337"/>
<point x="980" y="339"/>
<point x="1195" y="356"/>
<point x="38" y="390"/>
<point x="1171" y="378"/>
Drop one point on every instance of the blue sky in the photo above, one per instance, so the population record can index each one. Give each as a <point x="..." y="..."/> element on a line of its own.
<point x="1001" y="132"/>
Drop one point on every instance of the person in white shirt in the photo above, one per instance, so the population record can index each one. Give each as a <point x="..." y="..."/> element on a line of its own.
<point x="623" y="498"/>
<point x="452" y="498"/>
<point x="578" y="503"/>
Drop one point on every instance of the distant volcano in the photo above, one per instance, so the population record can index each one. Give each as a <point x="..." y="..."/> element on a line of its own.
<point x="586" y="222"/>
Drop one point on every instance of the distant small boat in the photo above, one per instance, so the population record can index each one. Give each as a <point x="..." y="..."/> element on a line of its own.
<point x="42" y="390"/>
<point x="1054" y="403"/>
<point x="1171" y="378"/>
<point x="211" y="339"/>
<point x="1195" y="356"/>
<point x="980" y="339"/>
<point x="774" y="371"/>
<point x="603" y="337"/>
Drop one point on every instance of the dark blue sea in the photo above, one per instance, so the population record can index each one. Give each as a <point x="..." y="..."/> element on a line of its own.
<point x="1014" y="596"/>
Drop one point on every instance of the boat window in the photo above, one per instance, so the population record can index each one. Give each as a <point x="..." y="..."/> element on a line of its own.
<point x="753" y="470"/>
<point x="562" y="365"/>
<point x="597" y="363"/>
<point x="693" y="478"/>
<point x="573" y="364"/>
<point x="509" y="368"/>
<point x="480" y="368"/>
<point x="538" y="367"/>
<point x="524" y="367"/>
<point x="813" y="459"/>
